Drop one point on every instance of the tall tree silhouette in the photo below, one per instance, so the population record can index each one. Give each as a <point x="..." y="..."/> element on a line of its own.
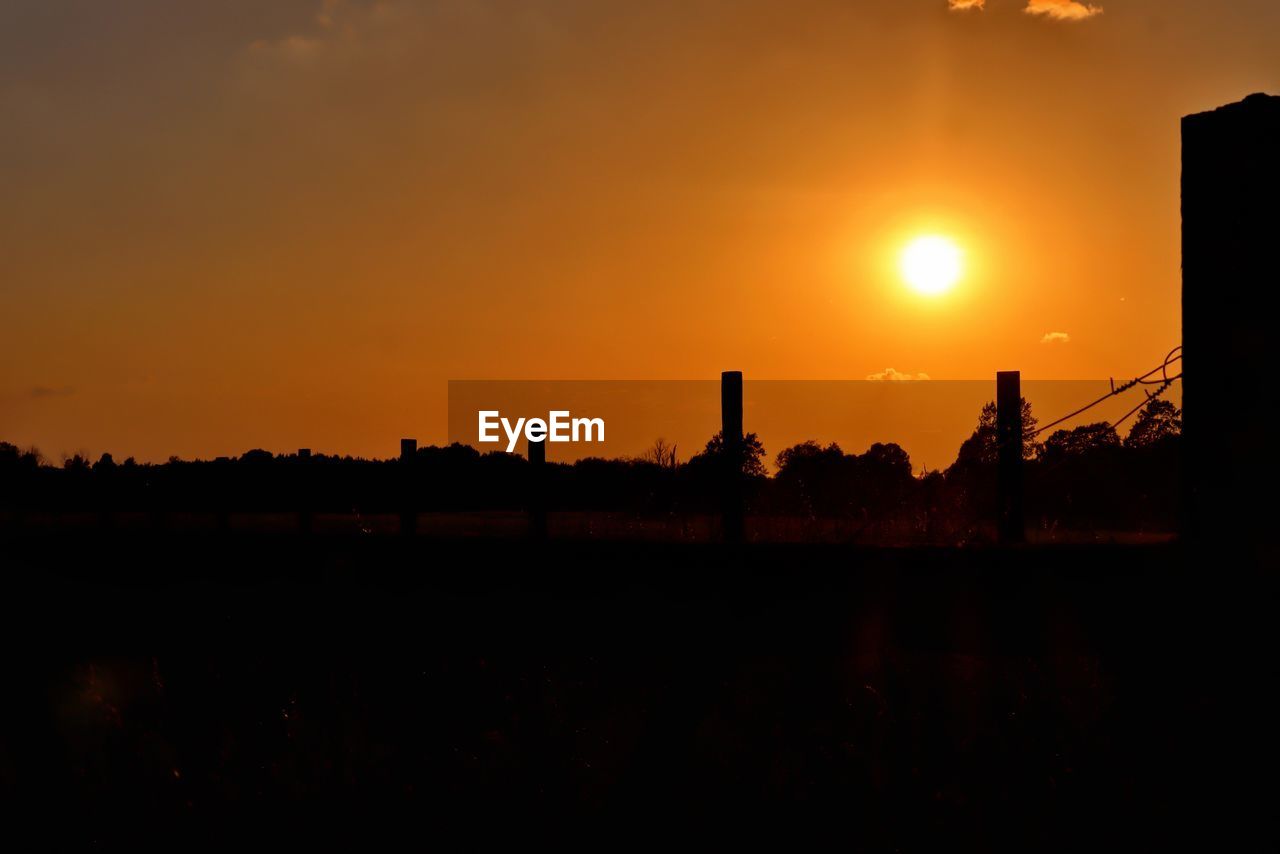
<point x="1159" y="421"/>
<point x="980" y="447"/>
<point x="751" y="455"/>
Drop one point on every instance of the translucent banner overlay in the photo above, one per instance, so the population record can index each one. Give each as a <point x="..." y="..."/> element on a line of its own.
<point x="929" y="419"/>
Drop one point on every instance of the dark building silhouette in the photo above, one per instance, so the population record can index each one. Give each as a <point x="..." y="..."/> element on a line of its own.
<point x="1230" y="235"/>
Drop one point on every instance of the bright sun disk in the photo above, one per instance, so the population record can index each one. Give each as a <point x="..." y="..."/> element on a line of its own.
<point x="931" y="264"/>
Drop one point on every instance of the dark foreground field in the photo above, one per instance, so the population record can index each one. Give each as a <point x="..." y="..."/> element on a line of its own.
<point x="196" y="685"/>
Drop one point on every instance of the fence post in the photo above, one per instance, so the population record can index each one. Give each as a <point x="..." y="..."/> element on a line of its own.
<point x="408" y="506"/>
<point x="733" y="523"/>
<point x="305" y="481"/>
<point x="1009" y="456"/>
<point x="225" y="474"/>
<point x="537" y="497"/>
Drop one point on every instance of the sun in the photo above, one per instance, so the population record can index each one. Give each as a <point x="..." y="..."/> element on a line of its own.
<point x="931" y="264"/>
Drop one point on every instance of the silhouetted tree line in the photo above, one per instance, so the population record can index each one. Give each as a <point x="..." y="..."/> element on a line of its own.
<point x="1076" y="478"/>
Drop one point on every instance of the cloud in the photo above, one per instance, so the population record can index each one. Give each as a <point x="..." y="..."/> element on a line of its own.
<point x="1056" y="338"/>
<point x="295" y="48"/>
<point x="890" y="375"/>
<point x="1062" y="10"/>
<point x="328" y="11"/>
<point x="337" y="25"/>
<point x="40" y="392"/>
<point x="961" y="5"/>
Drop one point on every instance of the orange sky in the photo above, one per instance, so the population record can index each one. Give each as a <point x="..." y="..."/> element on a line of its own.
<point x="239" y="225"/>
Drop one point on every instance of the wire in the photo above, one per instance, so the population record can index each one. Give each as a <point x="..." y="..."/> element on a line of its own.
<point x="1084" y="408"/>
<point x="1164" y="382"/>
<point x="1151" y="396"/>
<point x="1168" y="360"/>
<point x="1164" y="368"/>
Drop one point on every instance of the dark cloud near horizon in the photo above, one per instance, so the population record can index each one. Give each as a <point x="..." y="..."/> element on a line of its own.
<point x="42" y="392"/>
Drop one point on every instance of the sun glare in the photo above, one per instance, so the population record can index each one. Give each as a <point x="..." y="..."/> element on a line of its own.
<point x="931" y="265"/>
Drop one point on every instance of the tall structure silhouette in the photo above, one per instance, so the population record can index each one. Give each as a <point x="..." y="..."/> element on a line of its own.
<point x="408" y="498"/>
<point x="1009" y="431"/>
<point x="1230" y="226"/>
<point x="731" y="431"/>
<point x="537" y="486"/>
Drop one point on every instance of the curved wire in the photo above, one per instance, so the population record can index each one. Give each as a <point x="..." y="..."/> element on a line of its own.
<point x="1151" y="396"/>
<point x="1144" y="379"/>
<point x="1164" y="368"/>
<point x="1169" y="359"/>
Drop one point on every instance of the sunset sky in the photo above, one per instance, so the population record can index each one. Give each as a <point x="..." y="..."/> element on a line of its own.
<point x="238" y="224"/>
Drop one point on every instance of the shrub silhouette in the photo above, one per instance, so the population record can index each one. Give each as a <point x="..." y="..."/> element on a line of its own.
<point x="1081" y="477"/>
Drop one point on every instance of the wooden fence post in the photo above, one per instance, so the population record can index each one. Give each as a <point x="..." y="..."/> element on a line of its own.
<point x="733" y="523"/>
<point x="305" y="481"/>
<point x="537" y="497"/>
<point x="1009" y="456"/>
<point x="225" y="475"/>
<point x="408" y="504"/>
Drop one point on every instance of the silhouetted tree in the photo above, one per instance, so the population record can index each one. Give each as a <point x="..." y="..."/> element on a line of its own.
<point x="76" y="463"/>
<point x="661" y="454"/>
<point x="751" y="455"/>
<point x="988" y="416"/>
<point x="815" y="480"/>
<point x="791" y="460"/>
<point x="1100" y="481"/>
<point x="980" y="447"/>
<point x="1158" y="421"/>
<point x="888" y="460"/>
<point x="1080" y="440"/>
<point x="825" y="480"/>
<point x="453" y="455"/>
<point x="13" y="459"/>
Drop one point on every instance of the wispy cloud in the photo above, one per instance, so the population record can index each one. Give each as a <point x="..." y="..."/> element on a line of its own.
<point x="961" y="5"/>
<point x="337" y="23"/>
<point x="1056" y="338"/>
<point x="40" y="392"/>
<point x="1062" y="10"/>
<point x="328" y="12"/>
<point x="890" y="375"/>
<point x="296" y="48"/>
